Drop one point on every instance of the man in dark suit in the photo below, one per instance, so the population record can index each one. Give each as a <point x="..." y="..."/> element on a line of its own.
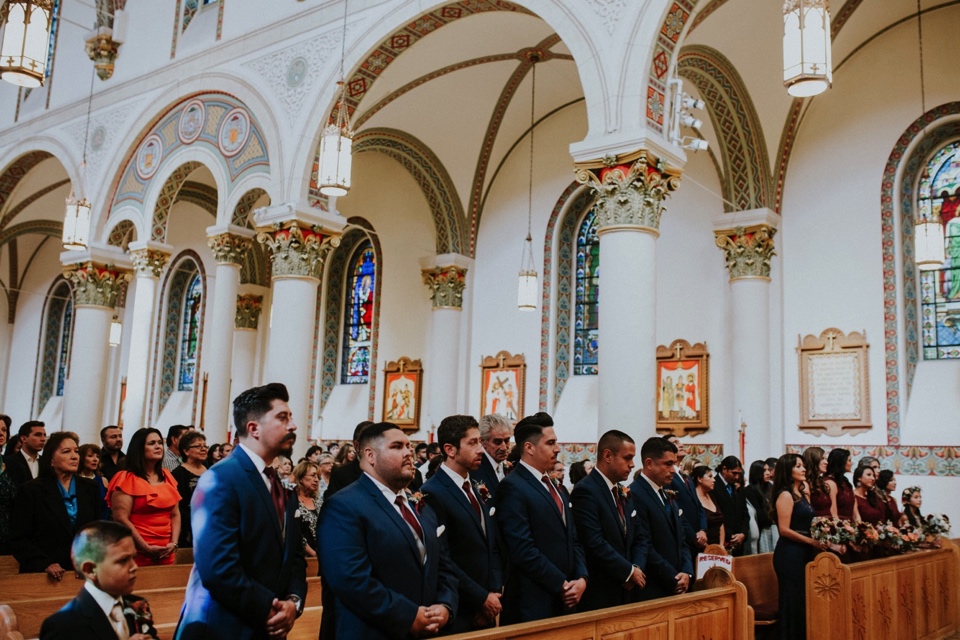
<point x="669" y="566"/>
<point x="729" y="499"/>
<point x="103" y="552"/>
<point x="547" y="571"/>
<point x="111" y="443"/>
<point x="495" y="433"/>
<point x="693" y="517"/>
<point x="389" y="574"/>
<point x="470" y="531"/>
<point x="24" y="466"/>
<point x="615" y="541"/>
<point x="249" y="574"/>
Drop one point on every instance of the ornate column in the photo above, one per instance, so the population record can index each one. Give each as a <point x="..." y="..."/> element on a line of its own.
<point x="630" y="191"/>
<point x="149" y="259"/>
<point x="746" y="239"/>
<point x="445" y="277"/>
<point x="299" y="239"/>
<point x="247" y="324"/>
<point x="97" y="284"/>
<point x="229" y="243"/>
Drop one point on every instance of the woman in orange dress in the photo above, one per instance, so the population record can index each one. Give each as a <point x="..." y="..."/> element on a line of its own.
<point x="144" y="497"/>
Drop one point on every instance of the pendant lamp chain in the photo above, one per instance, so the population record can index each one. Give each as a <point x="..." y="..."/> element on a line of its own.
<point x="527" y="288"/>
<point x="76" y="221"/>
<point x="336" y="140"/>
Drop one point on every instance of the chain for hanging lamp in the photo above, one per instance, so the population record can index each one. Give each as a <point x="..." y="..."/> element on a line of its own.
<point x="527" y="288"/>
<point x="336" y="139"/>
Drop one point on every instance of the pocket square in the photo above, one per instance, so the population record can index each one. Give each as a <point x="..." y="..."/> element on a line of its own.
<point x="493" y="510"/>
<point x="441" y="529"/>
<point x="680" y="513"/>
<point x="634" y="514"/>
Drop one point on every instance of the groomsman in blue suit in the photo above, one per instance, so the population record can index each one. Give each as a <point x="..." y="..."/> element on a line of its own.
<point x="669" y="565"/>
<point x="615" y="541"/>
<point x="547" y="572"/>
<point x="694" y="519"/>
<point x="471" y="532"/>
<point x="381" y="551"/>
<point x="495" y="433"/>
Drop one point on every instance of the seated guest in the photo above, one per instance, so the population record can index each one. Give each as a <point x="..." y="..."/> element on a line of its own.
<point x="669" y="565"/>
<point x="887" y="487"/>
<point x="615" y="540"/>
<point x="8" y="491"/>
<point x="389" y="573"/>
<point x="284" y="467"/>
<point x="111" y="455"/>
<point x="547" y="572"/>
<point x="871" y="507"/>
<point x="705" y="482"/>
<point x="307" y="479"/>
<point x="225" y="450"/>
<point x="757" y="495"/>
<point x="580" y="470"/>
<point x="470" y="531"/>
<point x="91" y="470"/>
<point x="912" y="501"/>
<point x="495" y="434"/>
<point x="25" y="463"/>
<point x="214" y="455"/>
<point x="815" y="465"/>
<point x="144" y="497"/>
<point x="193" y="452"/>
<point x="48" y="511"/>
<point x="103" y="553"/>
<point x="313" y="453"/>
<point x="841" y="491"/>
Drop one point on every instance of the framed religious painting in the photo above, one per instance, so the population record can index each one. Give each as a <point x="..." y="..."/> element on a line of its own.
<point x="834" y="382"/>
<point x="403" y="382"/>
<point x="683" y="388"/>
<point x="502" y="385"/>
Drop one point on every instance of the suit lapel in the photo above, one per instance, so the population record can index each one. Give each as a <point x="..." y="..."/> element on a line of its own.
<point x="458" y="497"/>
<point x="54" y="502"/>
<point x="260" y="489"/>
<point x="601" y="485"/>
<point x="542" y="491"/>
<point x="98" y="621"/>
<point x="392" y="514"/>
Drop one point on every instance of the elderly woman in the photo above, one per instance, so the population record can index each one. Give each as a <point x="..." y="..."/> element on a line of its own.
<point x="307" y="476"/>
<point x="48" y="511"/>
<point x="193" y="451"/>
<point x="8" y="491"/>
<point x="144" y="497"/>
<point x="325" y="462"/>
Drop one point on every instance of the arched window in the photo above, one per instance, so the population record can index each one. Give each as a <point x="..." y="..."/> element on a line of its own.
<point x="358" y="316"/>
<point x="63" y="358"/>
<point x="55" y="348"/>
<point x="939" y="195"/>
<point x="587" y="288"/>
<point x="190" y="333"/>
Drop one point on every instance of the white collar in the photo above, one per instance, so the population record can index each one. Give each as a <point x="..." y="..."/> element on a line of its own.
<point x="28" y="458"/>
<point x="257" y="460"/>
<point x="656" y="488"/>
<point x="103" y="599"/>
<point x="387" y="492"/>
<point x="493" y="463"/>
<point x="456" y="477"/>
<point x="536" y="474"/>
<point x="610" y="485"/>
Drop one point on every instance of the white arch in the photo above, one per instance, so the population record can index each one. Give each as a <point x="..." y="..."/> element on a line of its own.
<point x="129" y="213"/>
<point x="54" y="147"/>
<point x="252" y="181"/>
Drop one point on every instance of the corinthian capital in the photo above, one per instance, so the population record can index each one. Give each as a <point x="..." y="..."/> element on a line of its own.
<point x="249" y="307"/>
<point x="97" y="285"/>
<point x="446" y="286"/>
<point x="229" y="248"/>
<point x="297" y="252"/>
<point x="747" y="250"/>
<point x="630" y="194"/>
<point x="148" y="262"/>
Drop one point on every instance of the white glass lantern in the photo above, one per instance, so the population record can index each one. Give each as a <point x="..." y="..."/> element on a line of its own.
<point x="116" y="332"/>
<point x="929" y="243"/>
<point x="336" y="160"/>
<point x="23" y="47"/>
<point x="76" y="224"/>
<point x="527" y="288"/>
<point x="807" y="65"/>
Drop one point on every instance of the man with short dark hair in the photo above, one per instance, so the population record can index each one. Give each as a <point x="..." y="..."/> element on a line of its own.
<point x="495" y="434"/>
<point x="343" y="476"/>
<point x="615" y="541"/>
<point x="111" y="441"/>
<point x="24" y="465"/>
<point x="171" y="456"/>
<point x="461" y="507"/>
<point x="692" y="516"/>
<point x="669" y="565"/>
<point x="547" y="572"/>
<point x="249" y="574"/>
<point x="389" y="574"/>
<point x="103" y="553"/>
<point x="433" y="451"/>
<point x="732" y="503"/>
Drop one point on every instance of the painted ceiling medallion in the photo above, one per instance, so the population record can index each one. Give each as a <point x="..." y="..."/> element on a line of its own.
<point x="190" y="124"/>
<point x="149" y="156"/>
<point x="234" y="132"/>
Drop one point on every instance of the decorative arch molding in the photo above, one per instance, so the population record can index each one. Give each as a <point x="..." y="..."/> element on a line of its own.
<point x="16" y="171"/>
<point x="241" y="212"/>
<point x="52" y="228"/>
<point x="122" y="234"/>
<point x="746" y="167"/>
<point x="168" y="196"/>
<point x="330" y="314"/>
<point x="255" y="268"/>
<point x="199" y="194"/>
<point x="433" y="179"/>
<point x="29" y="200"/>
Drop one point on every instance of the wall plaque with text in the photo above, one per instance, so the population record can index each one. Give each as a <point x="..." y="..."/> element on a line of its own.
<point x="834" y="383"/>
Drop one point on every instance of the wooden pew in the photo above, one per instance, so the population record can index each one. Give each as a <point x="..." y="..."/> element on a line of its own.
<point x="38" y="585"/>
<point x="8" y="567"/>
<point x="756" y="573"/>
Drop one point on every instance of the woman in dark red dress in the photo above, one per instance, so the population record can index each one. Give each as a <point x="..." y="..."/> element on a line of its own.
<point x="870" y="505"/>
<point x="815" y="464"/>
<point x="841" y="491"/>
<point x="887" y="486"/>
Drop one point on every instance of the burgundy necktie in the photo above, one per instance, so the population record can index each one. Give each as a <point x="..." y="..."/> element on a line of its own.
<point x="473" y="498"/>
<point x="553" y="493"/>
<point x="409" y="517"/>
<point x="616" y="498"/>
<point x="278" y="492"/>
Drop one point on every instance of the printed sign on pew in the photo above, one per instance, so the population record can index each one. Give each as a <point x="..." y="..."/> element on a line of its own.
<point x="708" y="560"/>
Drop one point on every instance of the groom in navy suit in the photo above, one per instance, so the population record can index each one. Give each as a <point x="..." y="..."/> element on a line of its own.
<point x="547" y="572"/>
<point x="614" y="539"/>
<point x="669" y="566"/>
<point x="471" y="532"/>
<point x="381" y="553"/>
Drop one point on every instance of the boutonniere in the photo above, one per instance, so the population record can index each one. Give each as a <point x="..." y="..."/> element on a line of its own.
<point x="482" y="490"/>
<point x="671" y="494"/>
<point x="624" y="492"/>
<point x="137" y="611"/>
<point x="554" y="482"/>
<point x="416" y="499"/>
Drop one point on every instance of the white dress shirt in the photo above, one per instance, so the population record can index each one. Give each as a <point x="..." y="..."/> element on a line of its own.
<point x="103" y="599"/>
<point x="258" y="463"/>
<point x="32" y="463"/>
<point x="656" y="488"/>
<point x="497" y="466"/>
<point x="459" y="480"/>
<point x="391" y="497"/>
<point x="539" y="476"/>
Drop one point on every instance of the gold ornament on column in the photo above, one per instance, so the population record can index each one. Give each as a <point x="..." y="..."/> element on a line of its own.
<point x="446" y="286"/>
<point x="149" y="262"/>
<point x="297" y="252"/>
<point x="747" y="251"/>
<point x="229" y="248"/>
<point x="249" y="307"/>
<point x="97" y="285"/>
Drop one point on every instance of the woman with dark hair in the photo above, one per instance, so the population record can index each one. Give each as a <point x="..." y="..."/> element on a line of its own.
<point x="313" y="452"/>
<point x="144" y="497"/>
<point x="912" y="501"/>
<point x="841" y="491"/>
<point x="887" y="486"/>
<point x="579" y="471"/>
<point x="8" y="491"/>
<point x="193" y="452"/>
<point x="762" y="535"/>
<point x="795" y="548"/>
<point x="704" y="482"/>
<point x="90" y="456"/>
<point x="870" y="506"/>
<point x="815" y="464"/>
<point x="214" y="455"/>
<point x="345" y="455"/>
<point x="48" y="511"/>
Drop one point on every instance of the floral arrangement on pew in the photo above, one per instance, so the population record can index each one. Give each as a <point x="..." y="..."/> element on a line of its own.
<point x="934" y="526"/>
<point x="883" y="539"/>
<point x="834" y="531"/>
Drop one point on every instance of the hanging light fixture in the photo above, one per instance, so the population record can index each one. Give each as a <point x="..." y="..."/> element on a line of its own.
<point x="116" y="332"/>
<point x="807" y="66"/>
<point x="23" y="48"/>
<point x="76" y="221"/>
<point x="336" y="140"/>
<point x="527" y="288"/>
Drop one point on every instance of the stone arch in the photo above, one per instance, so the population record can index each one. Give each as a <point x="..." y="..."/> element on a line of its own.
<point x="746" y="167"/>
<point x="433" y="179"/>
<point x="122" y="234"/>
<point x="241" y="212"/>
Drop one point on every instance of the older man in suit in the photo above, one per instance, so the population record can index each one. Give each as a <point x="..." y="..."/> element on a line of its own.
<point x="384" y="562"/>
<point x="495" y="433"/>
<point x="669" y="565"/>
<point x="547" y="572"/>
<point x="249" y="574"/>
<point x="615" y="541"/>
<point x="461" y="508"/>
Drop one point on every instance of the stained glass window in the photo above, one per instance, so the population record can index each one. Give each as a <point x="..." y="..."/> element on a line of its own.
<point x="587" y="281"/>
<point x="63" y="358"/>
<point x="358" y="321"/>
<point x="190" y="333"/>
<point x="940" y="288"/>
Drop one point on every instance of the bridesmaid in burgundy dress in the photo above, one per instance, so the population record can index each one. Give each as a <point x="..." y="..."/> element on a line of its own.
<point x="815" y="464"/>
<point x="887" y="484"/>
<point x="841" y="491"/>
<point x="871" y="506"/>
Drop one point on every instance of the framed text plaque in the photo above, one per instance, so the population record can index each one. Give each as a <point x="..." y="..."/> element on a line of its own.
<point x="834" y="383"/>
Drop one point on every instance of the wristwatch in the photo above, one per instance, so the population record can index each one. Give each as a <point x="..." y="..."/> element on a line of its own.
<point x="297" y="602"/>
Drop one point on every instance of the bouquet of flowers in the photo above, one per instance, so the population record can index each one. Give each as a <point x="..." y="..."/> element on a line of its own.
<point x="910" y="537"/>
<point x="889" y="540"/>
<point x="867" y="535"/>
<point x="936" y="524"/>
<point x="833" y="531"/>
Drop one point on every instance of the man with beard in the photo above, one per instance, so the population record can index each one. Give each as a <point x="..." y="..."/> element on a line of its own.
<point x="470" y="531"/>
<point x="380" y="551"/>
<point x="249" y="574"/>
<point x="111" y="443"/>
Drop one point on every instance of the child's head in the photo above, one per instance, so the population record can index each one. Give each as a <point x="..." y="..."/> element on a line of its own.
<point x="104" y="553"/>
